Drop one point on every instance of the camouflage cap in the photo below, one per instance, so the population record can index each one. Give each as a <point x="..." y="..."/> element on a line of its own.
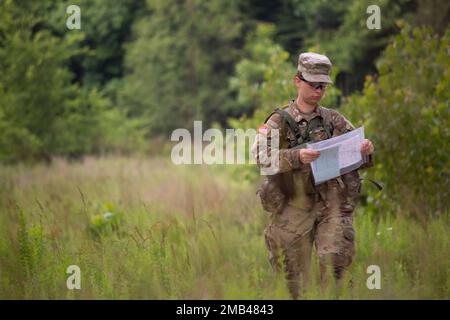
<point x="314" y="67"/>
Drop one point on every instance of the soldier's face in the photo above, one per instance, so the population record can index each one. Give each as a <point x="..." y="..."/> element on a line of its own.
<point x="308" y="93"/>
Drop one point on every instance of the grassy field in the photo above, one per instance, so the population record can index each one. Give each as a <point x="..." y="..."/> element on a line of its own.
<point x="146" y="229"/>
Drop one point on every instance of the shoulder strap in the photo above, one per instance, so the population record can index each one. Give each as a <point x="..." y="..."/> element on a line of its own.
<point x="377" y="184"/>
<point x="293" y="126"/>
<point x="289" y="121"/>
<point x="287" y="118"/>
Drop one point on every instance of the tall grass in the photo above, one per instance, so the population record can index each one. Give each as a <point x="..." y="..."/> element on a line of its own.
<point x="189" y="232"/>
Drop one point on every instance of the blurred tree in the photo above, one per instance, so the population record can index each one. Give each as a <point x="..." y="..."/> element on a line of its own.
<point x="434" y="13"/>
<point x="352" y="46"/>
<point x="33" y="81"/>
<point x="406" y="112"/>
<point x="106" y="27"/>
<point x="42" y="113"/>
<point x="264" y="79"/>
<point x="292" y="18"/>
<point x="338" y="29"/>
<point x="179" y="63"/>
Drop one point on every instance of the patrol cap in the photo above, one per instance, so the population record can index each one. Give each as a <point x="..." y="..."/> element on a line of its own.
<point x="314" y="67"/>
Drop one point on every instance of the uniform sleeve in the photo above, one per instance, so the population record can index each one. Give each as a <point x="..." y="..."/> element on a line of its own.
<point x="267" y="144"/>
<point x="340" y="126"/>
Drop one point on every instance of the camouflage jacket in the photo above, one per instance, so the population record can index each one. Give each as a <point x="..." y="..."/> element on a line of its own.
<point x="297" y="184"/>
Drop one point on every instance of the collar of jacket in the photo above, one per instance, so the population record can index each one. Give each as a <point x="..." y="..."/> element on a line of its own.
<point x="298" y="116"/>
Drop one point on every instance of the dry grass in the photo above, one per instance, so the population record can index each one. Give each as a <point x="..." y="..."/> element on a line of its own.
<point x="191" y="232"/>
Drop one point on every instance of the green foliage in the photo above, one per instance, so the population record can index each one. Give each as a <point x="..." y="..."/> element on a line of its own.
<point x="139" y="69"/>
<point x="433" y="13"/>
<point x="42" y="113"/>
<point x="264" y="79"/>
<point x="406" y="113"/>
<point x="31" y="245"/>
<point x="105" y="28"/>
<point x="106" y="222"/>
<point x="34" y="84"/>
<point x="179" y="62"/>
<point x="16" y="143"/>
<point x="338" y="29"/>
<point x="352" y="45"/>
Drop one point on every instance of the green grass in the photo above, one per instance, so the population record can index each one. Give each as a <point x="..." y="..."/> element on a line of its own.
<point x="181" y="232"/>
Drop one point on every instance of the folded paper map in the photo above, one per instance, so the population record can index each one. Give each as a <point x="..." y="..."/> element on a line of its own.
<point x="338" y="155"/>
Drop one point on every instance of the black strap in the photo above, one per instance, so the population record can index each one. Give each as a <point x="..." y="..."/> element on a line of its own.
<point x="293" y="126"/>
<point x="287" y="119"/>
<point x="377" y="184"/>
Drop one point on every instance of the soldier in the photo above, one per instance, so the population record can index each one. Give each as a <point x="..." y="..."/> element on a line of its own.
<point x="302" y="214"/>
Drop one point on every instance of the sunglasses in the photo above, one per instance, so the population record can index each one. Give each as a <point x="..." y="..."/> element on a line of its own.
<point x="315" y="85"/>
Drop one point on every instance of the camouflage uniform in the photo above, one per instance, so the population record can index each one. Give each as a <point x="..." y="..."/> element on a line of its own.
<point x="311" y="214"/>
<point x="320" y="214"/>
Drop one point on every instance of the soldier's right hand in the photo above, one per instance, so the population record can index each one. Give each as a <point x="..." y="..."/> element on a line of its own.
<point x="308" y="155"/>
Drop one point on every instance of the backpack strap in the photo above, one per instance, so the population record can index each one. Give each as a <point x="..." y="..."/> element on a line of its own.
<point x="293" y="126"/>
<point x="301" y="139"/>
<point x="377" y="184"/>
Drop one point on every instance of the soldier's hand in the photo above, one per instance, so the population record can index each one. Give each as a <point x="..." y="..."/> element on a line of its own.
<point x="308" y="155"/>
<point x="366" y="147"/>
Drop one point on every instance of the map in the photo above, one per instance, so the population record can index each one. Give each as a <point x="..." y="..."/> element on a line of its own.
<point x="338" y="155"/>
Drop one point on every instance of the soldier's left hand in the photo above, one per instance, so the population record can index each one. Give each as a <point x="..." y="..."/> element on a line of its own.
<point x="366" y="147"/>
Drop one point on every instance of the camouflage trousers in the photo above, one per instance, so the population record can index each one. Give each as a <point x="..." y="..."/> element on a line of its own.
<point x="292" y="233"/>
